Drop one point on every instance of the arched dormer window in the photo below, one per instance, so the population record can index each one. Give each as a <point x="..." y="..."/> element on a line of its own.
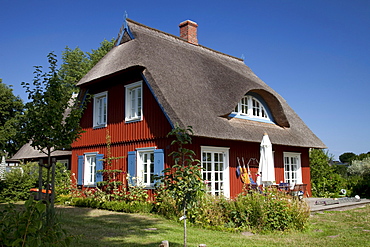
<point x="252" y="107"/>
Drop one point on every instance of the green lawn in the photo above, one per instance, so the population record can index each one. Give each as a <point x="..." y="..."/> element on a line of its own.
<point x="104" y="228"/>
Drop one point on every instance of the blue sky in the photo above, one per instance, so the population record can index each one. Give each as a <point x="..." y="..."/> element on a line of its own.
<point x="316" y="53"/>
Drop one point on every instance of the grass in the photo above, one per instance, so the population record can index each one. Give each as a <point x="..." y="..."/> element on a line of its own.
<point x="104" y="228"/>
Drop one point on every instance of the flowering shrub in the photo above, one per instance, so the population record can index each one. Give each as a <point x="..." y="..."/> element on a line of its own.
<point x="359" y="180"/>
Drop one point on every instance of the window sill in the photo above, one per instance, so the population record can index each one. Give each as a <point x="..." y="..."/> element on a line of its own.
<point x="89" y="185"/>
<point x="133" y="120"/>
<point x="263" y="120"/>
<point x="100" y="126"/>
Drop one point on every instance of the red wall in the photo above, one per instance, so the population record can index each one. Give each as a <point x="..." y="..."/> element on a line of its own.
<point x="250" y="151"/>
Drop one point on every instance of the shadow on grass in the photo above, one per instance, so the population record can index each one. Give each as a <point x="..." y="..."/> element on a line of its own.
<point x="105" y="228"/>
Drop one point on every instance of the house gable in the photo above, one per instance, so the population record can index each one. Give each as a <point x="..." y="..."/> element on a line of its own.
<point x="153" y="124"/>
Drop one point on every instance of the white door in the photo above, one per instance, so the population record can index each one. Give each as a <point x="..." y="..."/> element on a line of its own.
<point x="292" y="168"/>
<point x="215" y="164"/>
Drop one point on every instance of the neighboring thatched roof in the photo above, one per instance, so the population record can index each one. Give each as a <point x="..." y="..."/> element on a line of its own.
<point x="200" y="87"/>
<point x="28" y="152"/>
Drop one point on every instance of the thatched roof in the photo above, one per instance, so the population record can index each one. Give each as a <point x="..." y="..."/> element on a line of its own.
<point x="200" y="87"/>
<point x="28" y="152"/>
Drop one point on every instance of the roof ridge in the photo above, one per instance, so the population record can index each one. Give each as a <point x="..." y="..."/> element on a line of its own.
<point x="183" y="40"/>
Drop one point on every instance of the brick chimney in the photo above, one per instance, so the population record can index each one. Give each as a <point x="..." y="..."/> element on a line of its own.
<point x="188" y="31"/>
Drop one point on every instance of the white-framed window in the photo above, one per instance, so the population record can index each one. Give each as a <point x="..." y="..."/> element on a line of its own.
<point x="215" y="164"/>
<point x="143" y="165"/>
<point x="89" y="167"/>
<point x="292" y="168"/>
<point x="134" y="102"/>
<point x="252" y="107"/>
<point x="100" y="115"/>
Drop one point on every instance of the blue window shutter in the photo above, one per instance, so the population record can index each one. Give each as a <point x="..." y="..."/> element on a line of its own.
<point x="99" y="166"/>
<point x="80" y="170"/>
<point x="158" y="161"/>
<point x="131" y="167"/>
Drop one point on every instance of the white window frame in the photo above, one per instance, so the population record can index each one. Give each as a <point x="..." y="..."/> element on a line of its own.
<point x="292" y="176"/>
<point x="64" y="162"/>
<point x="90" y="169"/>
<point x="250" y="106"/>
<point x="134" y="102"/>
<point x="211" y="184"/>
<point x="100" y="111"/>
<point x="142" y="164"/>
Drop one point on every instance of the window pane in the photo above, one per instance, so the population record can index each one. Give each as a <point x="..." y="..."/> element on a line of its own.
<point x="209" y="157"/>
<point x="221" y="166"/>
<point x="209" y="167"/>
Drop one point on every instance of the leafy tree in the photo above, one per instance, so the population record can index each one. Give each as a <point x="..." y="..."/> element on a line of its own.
<point x="77" y="63"/>
<point x="347" y="157"/>
<point x="362" y="156"/>
<point x="11" y="112"/>
<point x="324" y="180"/>
<point x="53" y="115"/>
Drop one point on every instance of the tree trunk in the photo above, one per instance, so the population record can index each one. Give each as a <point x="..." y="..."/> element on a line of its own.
<point x="52" y="182"/>
<point x="185" y="226"/>
<point x="39" y="193"/>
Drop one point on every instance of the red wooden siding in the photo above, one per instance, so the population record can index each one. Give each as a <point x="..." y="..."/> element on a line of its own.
<point x="237" y="149"/>
<point x="248" y="151"/>
<point x="153" y="125"/>
<point x="121" y="150"/>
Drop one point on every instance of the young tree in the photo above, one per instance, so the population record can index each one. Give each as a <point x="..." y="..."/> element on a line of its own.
<point x="53" y="114"/>
<point x="184" y="179"/>
<point x="11" y="112"/>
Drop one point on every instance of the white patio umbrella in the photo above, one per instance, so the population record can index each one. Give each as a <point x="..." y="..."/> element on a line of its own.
<point x="266" y="168"/>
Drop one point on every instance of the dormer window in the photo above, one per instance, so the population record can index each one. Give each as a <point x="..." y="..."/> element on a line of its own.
<point x="252" y="107"/>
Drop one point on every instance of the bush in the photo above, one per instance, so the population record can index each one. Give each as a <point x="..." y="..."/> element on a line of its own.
<point x="359" y="171"/>
<point x="325" y="181"/>
<point x="18" y="182"/>
<point x="259" y="212"/>
<point x="28" y="227"/>
<point x="270" y="211"/>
